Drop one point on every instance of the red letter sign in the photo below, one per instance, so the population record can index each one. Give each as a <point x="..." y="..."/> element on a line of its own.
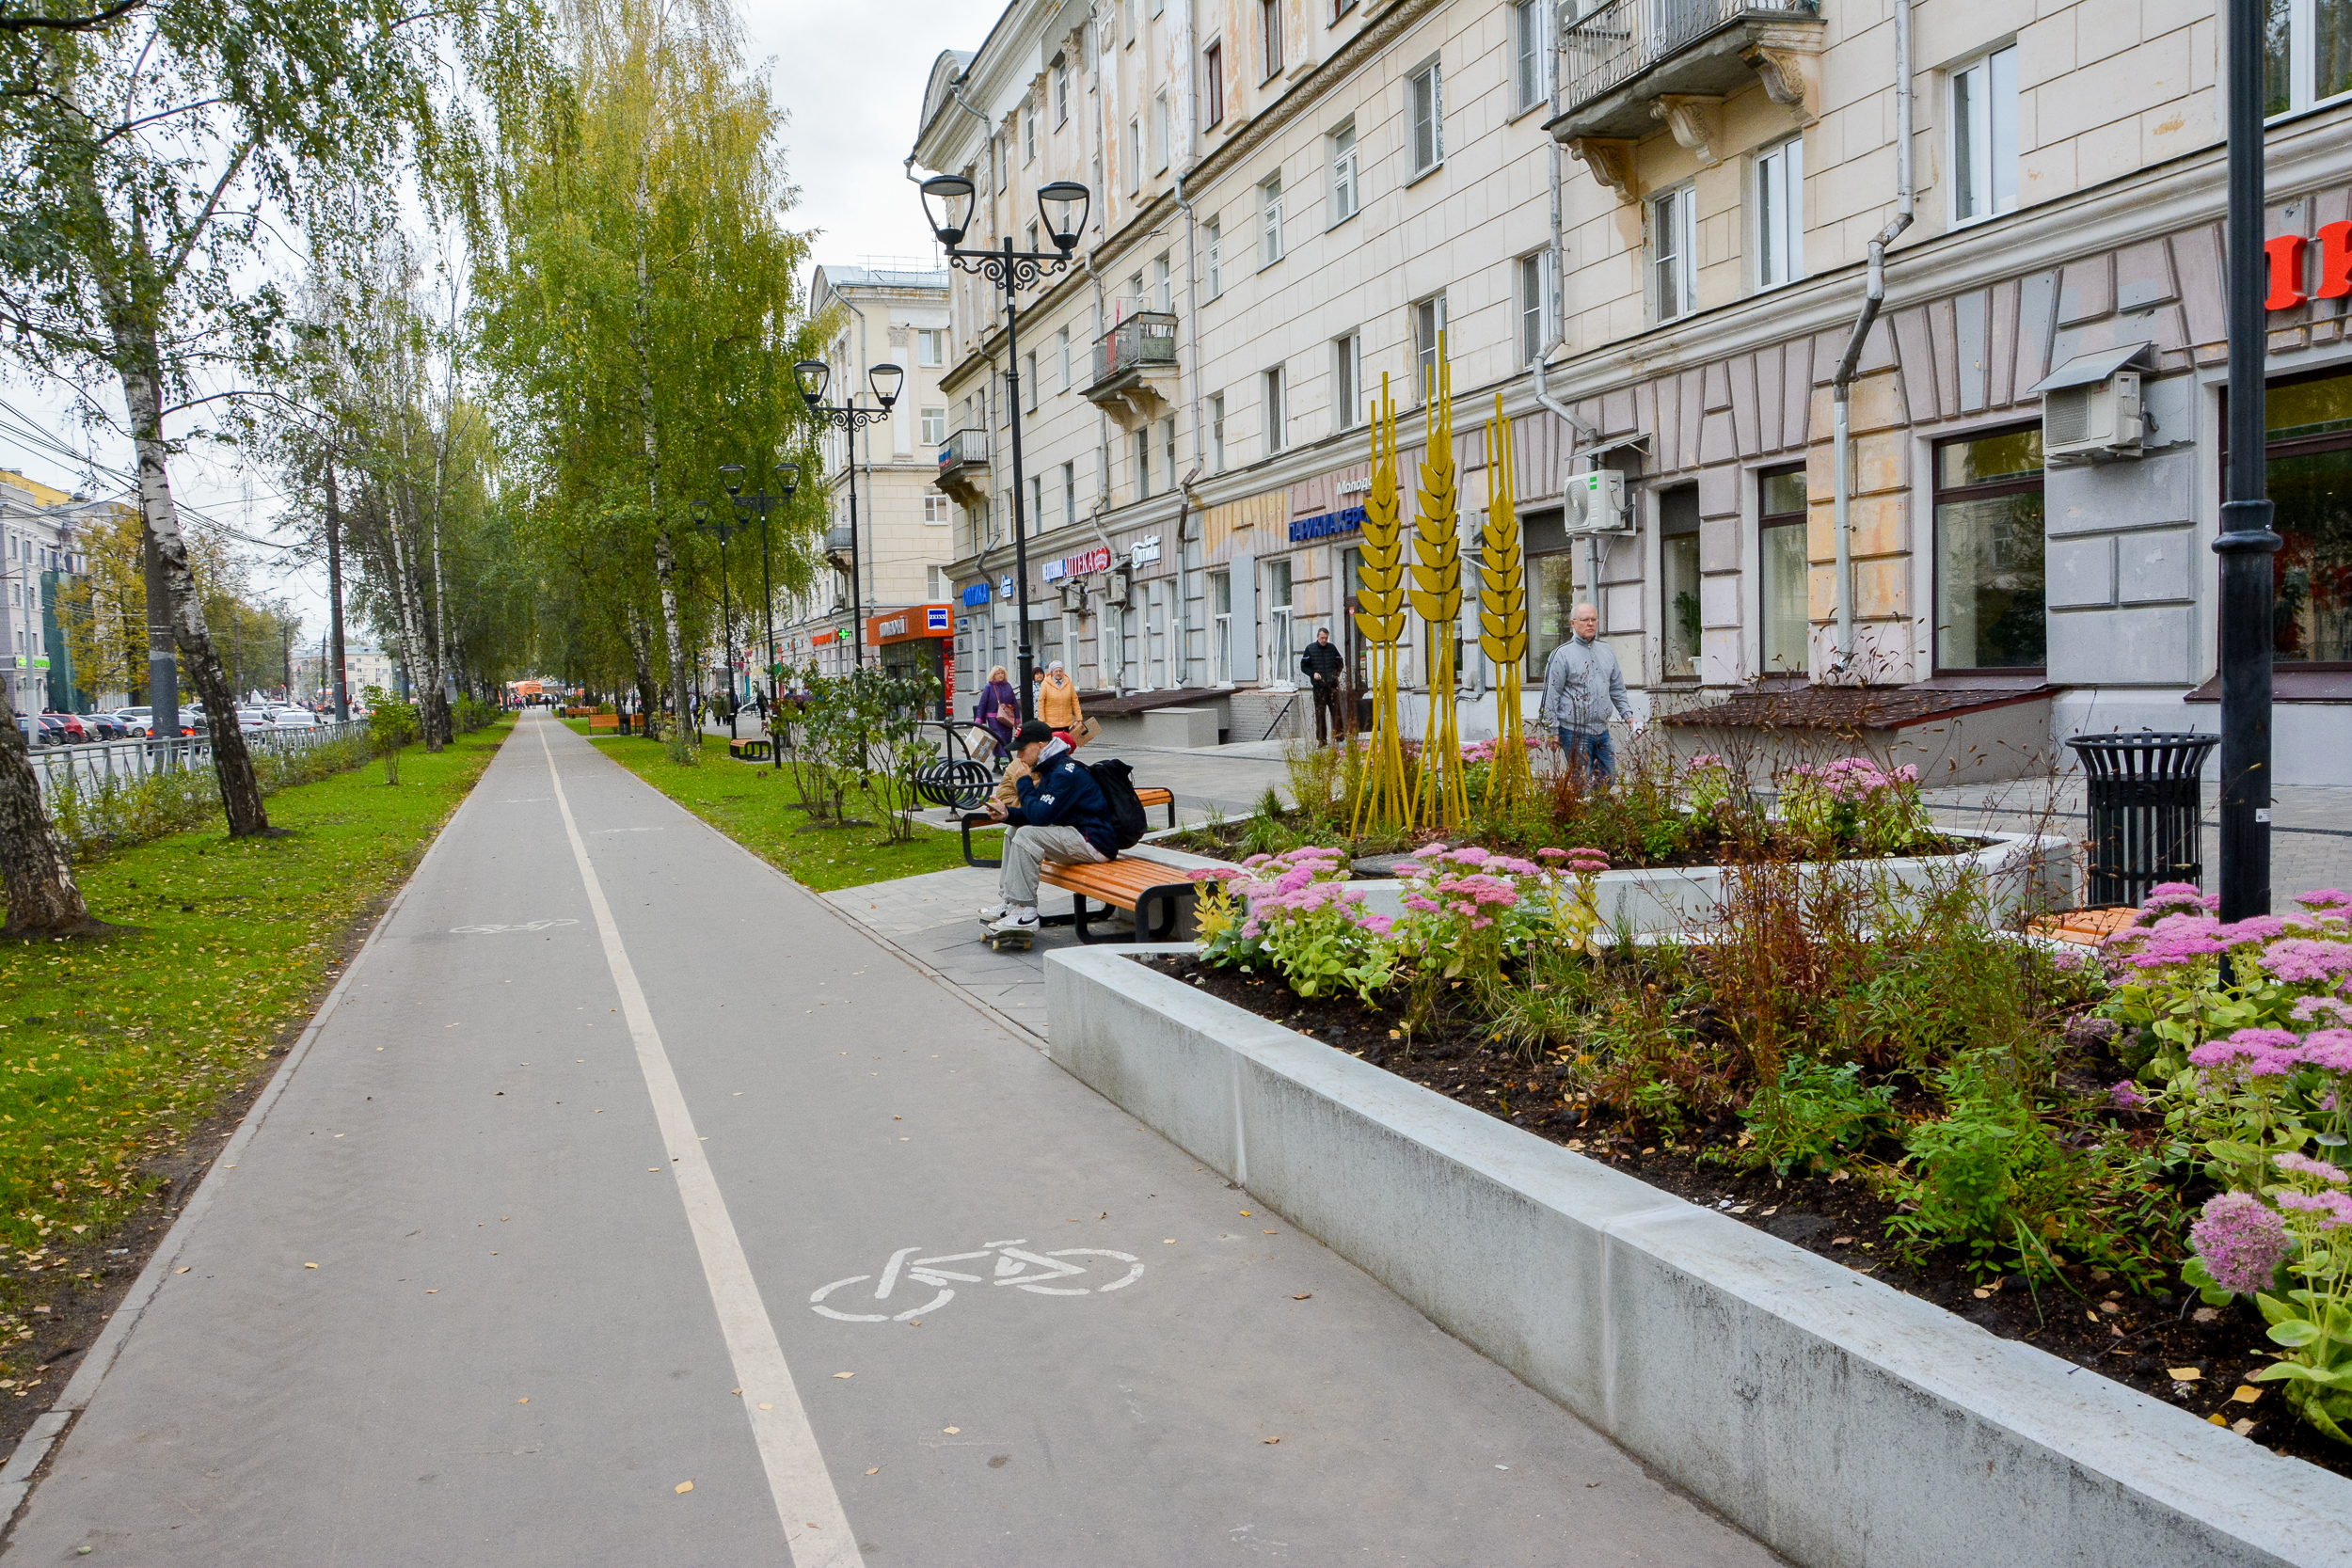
<point x="2335" y="260"/>
<point x="2286" y="271"/>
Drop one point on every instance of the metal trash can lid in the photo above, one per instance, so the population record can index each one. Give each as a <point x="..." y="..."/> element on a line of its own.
<point x="2147" y="754"/>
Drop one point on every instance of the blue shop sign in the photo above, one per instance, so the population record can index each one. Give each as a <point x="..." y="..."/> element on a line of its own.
<point x="1326" y="524"/>
<point x="975" y="595"/>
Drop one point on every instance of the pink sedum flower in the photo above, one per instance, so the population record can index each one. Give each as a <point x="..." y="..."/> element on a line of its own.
<point x="2241" y="1241"/>
<point x="2334" y="1209"/>
<point x="2303" y="1164"/>
<point x="2125" y="1095"/>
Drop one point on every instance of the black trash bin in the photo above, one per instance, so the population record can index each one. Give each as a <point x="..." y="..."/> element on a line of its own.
<point x="2147" y="793"/>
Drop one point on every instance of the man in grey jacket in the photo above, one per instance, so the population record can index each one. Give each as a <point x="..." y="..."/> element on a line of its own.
<point x="1583" y="685"/>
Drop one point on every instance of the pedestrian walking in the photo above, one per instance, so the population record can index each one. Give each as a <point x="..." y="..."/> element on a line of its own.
<point x="997" y="711"/>
<point x="1057" y="704"/>
<point x="1062" y="818"/>
<point x="1583" y="685"/>
<point x="1322" y="663"/>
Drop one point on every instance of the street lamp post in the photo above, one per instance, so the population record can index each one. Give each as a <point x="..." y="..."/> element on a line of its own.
<point x="2246" y="544"/>
<point x="722" y="531"/>
<point x="850" y="418"/>
<point x="759" y="503"/>
<point x="948" y="203"/>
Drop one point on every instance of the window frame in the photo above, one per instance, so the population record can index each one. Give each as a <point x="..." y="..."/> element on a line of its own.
<point x="1534" y="282"/>
<point x="1215" y="228"/>
<point x="1028" y="136"/>
<point x="1270" y="38"/>
<point x="1217" y="431"/>
<point x="1275" y="392"/>
<point x="1347" y="380"/>
<point x="927" y="427"/>
<point x="1692" y="532"/>
<point x="1683" y="202"/>
<point x="2302" y="64"/>
<point x="1967" y="151"/>
<point x="1061" y="92"/>
<point x="1347" y="194"/>
<point x="1769" y="522"/>
<point x="1134" y="156"/>
<point x="1070" y="489"/>
<point x="1427" y="343"/>
<point x="1938" y="493"/>
<point x="1530" y="31"/>
<point x="1432" y="72"/>
<point x="1771" y="175"/>
<point x="1270" y="220"/>
<point x="1162" y="135"/>
<point x="1213" y="62"/>
<point x="2293" y="446"/>
<point x="1061" y="344"/>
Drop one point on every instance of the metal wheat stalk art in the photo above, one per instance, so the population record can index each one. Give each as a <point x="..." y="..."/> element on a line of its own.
<point x="1503" y="617"/>
<point x="1384" y="800"/>
<point x="1437" y="598"/>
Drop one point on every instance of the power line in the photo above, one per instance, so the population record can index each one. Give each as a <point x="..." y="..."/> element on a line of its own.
<point x="22" y="432"/>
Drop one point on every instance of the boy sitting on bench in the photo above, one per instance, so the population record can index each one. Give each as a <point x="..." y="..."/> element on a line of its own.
<point x="1062" y="817"/>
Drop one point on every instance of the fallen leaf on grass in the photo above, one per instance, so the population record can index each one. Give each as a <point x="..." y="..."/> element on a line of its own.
<point x="2244" y="1395"/>
<point x="683" y="1486"/>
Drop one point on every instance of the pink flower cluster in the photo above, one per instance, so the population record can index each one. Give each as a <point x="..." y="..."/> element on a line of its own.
<point x="2242" y="1242"/>
<point x="2293" y="951"/>
<point x="2276" y="1053"/>
<point x="1484" y="750"/>
<point x="1295" y="882"/>
<point x="2125" y="1095"/>
<point x="1432" y="857"/>
<point x="1580" y="861"/>
<point x="2334" y="1207"/>
<point x="2303" y="1164"/>
<point x="2326" y="900"/>
<point x="2177" y="896"/>
<point x="1855" y="778"/>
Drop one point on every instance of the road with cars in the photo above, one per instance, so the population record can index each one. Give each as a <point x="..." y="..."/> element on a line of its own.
<point x="629" y="1206"/>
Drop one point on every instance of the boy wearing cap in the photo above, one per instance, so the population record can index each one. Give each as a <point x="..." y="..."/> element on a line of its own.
<point x="1062" y="817"/>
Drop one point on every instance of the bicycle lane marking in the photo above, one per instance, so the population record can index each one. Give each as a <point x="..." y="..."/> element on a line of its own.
<point x="816" y="1527"/>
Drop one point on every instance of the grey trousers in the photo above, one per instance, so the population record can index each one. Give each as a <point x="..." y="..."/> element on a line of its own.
<point x="1026" y="848"/>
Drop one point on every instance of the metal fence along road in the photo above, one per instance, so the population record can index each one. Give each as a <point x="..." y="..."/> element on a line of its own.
<point x="96" y="763"/>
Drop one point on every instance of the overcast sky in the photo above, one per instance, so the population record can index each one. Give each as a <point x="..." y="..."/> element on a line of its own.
<point x="850" y="75"/>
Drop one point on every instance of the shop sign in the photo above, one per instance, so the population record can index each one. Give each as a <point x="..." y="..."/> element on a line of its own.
<point x="938" y="618"/>
<point x="975" y="595"/>
<point x="824" y="639"/>
<point x="1004" y="587"/>
<point x="1095" y="559"/>
<point x="930" y="620"/>
<point x="2287" y="271"/>
<point x="1326" y="525"/>
<point x="1145" y="552"/>
<point x="1347" y="487"/>
<point x="895" y="626"/>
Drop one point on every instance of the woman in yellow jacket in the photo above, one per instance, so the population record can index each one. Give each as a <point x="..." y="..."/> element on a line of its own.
<point x="1058" y="701"/>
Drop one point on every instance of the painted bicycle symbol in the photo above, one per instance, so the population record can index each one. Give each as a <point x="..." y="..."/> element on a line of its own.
<point x="493" y="930"/>
<point x="1038" y="1272"/>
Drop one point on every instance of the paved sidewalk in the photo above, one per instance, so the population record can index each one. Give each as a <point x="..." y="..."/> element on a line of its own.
<point x="461" y="1298"/>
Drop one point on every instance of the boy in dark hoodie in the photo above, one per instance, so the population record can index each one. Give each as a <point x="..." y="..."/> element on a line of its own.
<point x="1062" y="817"/>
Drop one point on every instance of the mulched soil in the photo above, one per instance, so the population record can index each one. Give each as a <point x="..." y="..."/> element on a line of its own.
<point x="69" y="1299"/>
<point x="2089" y="1319"/>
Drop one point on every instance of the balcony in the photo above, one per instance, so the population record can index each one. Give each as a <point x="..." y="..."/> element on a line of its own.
<point x="1631" y="65"/>
<point x="1134" y="368"/>
<point x="963" y="466"/>
<point x="839" y="542"/>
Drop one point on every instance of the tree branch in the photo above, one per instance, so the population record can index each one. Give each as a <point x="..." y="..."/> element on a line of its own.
<point x="68" y="23"/>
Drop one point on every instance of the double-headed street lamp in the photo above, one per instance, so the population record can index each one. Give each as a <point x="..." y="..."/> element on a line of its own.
<point x="722" y="531"/>
<point x="850" y="418"/>
<point x="758" y="504"/>
<point x="948" y="203"/>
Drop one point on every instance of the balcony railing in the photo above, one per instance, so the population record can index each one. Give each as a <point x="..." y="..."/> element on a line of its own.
<point x="964" y="447"/>
<point x="1144" y="340"/>
<point x="1612" y="43"/>
<point x="840" y="541"/>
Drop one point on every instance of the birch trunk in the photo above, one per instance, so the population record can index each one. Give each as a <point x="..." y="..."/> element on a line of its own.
<point x="35" y="875"/>
<point x="685" y="738"/>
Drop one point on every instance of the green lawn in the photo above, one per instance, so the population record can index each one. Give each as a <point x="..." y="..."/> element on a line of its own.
<point x="755" y="807"/>
<point x="111" y="1051"/>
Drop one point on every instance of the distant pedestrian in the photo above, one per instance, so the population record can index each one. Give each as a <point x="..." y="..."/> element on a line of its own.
<point x="1321" y="664"/>
<point x="1583" y="685"/>
<point x="997" y="711"/>
<point x="1057" y="704"/>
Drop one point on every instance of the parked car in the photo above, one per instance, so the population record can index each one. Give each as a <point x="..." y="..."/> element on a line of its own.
<point x="137" y="720"/>
<point x="53" y="726"/>
<point x="71" y="724"/>
<point x="104" y="726"/>
<point x="250" y="718"/>
<point x="295" y="719"/>
<point x="35" y="733"/>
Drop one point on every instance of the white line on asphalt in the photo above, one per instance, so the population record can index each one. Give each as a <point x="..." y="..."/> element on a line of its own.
<point x="815" y="1529"/>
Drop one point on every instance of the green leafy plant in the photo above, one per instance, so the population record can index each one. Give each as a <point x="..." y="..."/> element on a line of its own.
<point x="391" y="724"/>
<point x="1815" y="1115"/>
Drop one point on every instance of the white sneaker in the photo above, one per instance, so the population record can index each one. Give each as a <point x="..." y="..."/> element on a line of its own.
<point x="1018" y="918"/>
<point x="995" y="912"/>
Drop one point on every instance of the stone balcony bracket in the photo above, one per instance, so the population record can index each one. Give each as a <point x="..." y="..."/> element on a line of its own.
<point x="1610" y="160"/>
<point x="1698" y="124"/>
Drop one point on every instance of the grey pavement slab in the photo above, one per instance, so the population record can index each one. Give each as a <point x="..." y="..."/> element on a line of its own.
<point x="508" y="1353"/>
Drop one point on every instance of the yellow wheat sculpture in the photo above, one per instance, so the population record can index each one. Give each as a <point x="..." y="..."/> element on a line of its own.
<point x="1439" y="800"/>
<point x="1503" y="617"/>
<point x="1384" y="800"/>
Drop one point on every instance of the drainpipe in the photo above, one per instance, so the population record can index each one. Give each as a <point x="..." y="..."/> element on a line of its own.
<point x="1873" y="298"/>
<point x="1558" y="337"/>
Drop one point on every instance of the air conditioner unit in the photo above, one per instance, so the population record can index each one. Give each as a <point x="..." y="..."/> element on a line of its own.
<point x="1595" y="502"/>
<point x="2091" y="407"/>
<point x="1117" y="587"/>
<point x="1073" y="596"/>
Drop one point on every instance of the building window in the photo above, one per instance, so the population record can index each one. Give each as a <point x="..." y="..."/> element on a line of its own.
<point x="1134" y="158"/>
<point x="1032" y="236"/>
<point x="930" y="347"/>
<point x="1787" y="618"/>
<point x="1221" y="613"/>
<point x="1070" y="492"/>
<point x="1216" y="433"/>
<point x="1143" y="464"/>
<point x="1061" y="92"/>
<point x="1167" y="447"/>
<point x="1989" y="600"/>
<point x="1985" y="137"/>
<point x="1277" y="620"/>
<point x="1215" y="233"/>
<point x="1037" y="505"/>
<point x="1271" y="233"/>
<point x="1531" y="74"/>
<point x="1780" y="214"/>
<point x="934" y="427"/>
<point x="1028" y="137"/>
<point x="1678" y="581"/>
<point x="1213" y="66"/>
<point x="1340" y="7"/>
<point x="1674" y="234"/>
<point x="1159" y="132"/>
<point x="1163" y="288"/>
<point x="2309" y="49"/>
<point x="1425" y="103"/>
<point x="1270" y="36"/>
<point x="1061" y="347"/>
<point x="2310" y="463"/>
<point x="1347" y="382"/>
<point x="1429" y="342"/>
<point x="935" y="510"/>
<point x="1028" y="376"/>
<point x="1344" y="195"/>
<point x="1535" y="304"/>
<point x="1276" y="412"/>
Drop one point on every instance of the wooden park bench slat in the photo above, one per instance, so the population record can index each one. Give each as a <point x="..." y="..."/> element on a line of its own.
<point x="1125" y="884"/>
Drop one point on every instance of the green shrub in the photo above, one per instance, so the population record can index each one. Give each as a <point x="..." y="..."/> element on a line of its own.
<point x="1816" y="1115"/>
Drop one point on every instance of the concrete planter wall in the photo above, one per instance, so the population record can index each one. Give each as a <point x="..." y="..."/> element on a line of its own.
<point x="1838" y="1421"/>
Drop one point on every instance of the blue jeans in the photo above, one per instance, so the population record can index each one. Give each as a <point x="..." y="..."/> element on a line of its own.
<point x="1593" y="754"/>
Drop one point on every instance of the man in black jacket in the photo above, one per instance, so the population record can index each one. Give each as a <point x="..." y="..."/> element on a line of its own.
<point x="1323" y="664"/>
<point x="1062" y="817"/>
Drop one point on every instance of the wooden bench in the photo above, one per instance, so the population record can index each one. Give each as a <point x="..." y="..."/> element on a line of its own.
<point x="2084" y="927"/>
<point x="1121" y="884"/>
<point x="1148" y="797"/>
<point x="751" y="751"/>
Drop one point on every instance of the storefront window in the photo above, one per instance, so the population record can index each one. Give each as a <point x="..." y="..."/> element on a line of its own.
<point x="1678" y="581"/>
<point x="2309" y="466"/>
<point x="1550" y="594"/>
<point x="1277" y="626"/>
<point x="1780" y="529"/>
<point x="1990" y="599"/>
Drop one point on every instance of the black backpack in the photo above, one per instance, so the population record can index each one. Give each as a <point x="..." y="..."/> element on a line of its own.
<point x="1115" y="779"/>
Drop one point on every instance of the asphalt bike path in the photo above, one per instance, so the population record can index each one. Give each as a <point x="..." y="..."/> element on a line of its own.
<point x="631" y="1207"/>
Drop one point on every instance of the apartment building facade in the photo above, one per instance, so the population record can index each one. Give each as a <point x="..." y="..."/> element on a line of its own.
<point x="904" y="539"/>
<point x="1643" y="228"/>
<point x="40" y="558"/>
